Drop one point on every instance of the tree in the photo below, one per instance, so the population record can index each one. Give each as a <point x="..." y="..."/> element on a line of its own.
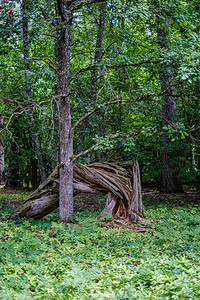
<point x="64" y="12"/>
<point x="2" y="166"/>
<point x="38" y="148"/>
<point x="170" y="181"/>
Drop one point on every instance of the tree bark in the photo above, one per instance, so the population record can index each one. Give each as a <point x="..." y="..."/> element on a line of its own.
<point x="2" y="166"/>
<point x="37" y="144"/>
<point x="1" y="141"/>
<point x="42" y="201"/>
<point x="55" y="142"/>
<point x="170" y="180"/>
<point x="66" y="135"/>
<point x="197" y="6"/>
<point x="121" y="183"/>
<point x="64" y="16"/>
<point x="131" y="208"/>
<point x="13" y="176"/>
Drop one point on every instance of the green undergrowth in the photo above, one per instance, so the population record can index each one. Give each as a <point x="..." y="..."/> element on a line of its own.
<point x="45" y="259"/>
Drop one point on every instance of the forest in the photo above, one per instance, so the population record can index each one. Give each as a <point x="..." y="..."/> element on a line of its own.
<point x="99" y="149"/>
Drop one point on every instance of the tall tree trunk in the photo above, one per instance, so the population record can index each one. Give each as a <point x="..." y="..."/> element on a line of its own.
<point x="37" y="144"/>
<point x="197" y="5"/>
<point x="198" y="151"/>
<point x="64" y="17"/>
<point x="55" y="142"/>
<point x="13" y="179"/>
<point x="197" y="90"/>
<point x="1" y="153"/>
<point x="66" y="135"/>
<point x="1" y="141"/>
<point x="170" y="181"/>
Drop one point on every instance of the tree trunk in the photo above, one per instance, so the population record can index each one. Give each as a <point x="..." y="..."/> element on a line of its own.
<point x="42" y="201"/>
<point x="170" y="181"/>
<point x="197" y="6"/>
<point x="66" y="135"/>
<point x="64" y="18"/>
<point x="198" y="132"/>
<point x="55" y="142"/>
<point x="121" y="208"/>
<point x="121" y="183"/>
<point x="37" y="144"/>
<point x="1" y="138"/>
<point x="1" y="141"/>
<point x="13" y="176"/>
<point x="1" y="153"/>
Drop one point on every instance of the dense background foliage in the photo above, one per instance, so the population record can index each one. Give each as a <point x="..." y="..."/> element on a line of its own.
<point x="130" y="60"/>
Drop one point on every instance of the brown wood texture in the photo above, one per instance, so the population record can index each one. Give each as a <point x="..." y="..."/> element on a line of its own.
<point x="120" y="181"/>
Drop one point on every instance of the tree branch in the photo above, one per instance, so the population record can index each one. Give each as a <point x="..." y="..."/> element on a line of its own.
<point x="89" y="68"/>
<point x="73" y="158"/>
<point x="79" y="4"/>
<point x="113" y="101"/>
<point x="68" y="3"/>
<point x="49" y="62"/>
<point x="95" y="109"/>
<point x="45" y="15"/>
<point x="108" y="48"/>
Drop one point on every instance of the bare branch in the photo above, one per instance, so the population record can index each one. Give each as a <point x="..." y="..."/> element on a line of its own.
<point x="83" y="118"/>
<point x="68" y="3"/>
<point x="46" y="34"/>
<point x="49" y="62"/>
<point x="73" y="158"/>
<point x="89" y="68"/>
<point x="95" y="109"/>
<point x="44" y="13"/>
<point x="113" y="101"/>
<point x="108" y="48"/>
<point x="20" y="110"/>
<point x="79" y="4"/>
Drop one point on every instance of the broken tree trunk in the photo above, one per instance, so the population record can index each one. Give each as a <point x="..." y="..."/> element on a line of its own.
<point x="120" y="181"/>
<point x="131" y="207"/>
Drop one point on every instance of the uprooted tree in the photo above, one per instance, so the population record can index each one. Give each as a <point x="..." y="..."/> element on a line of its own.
<point x="120" y="181"/>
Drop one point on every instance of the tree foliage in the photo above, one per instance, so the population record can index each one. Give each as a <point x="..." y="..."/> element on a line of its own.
<point x="128" y="68"/>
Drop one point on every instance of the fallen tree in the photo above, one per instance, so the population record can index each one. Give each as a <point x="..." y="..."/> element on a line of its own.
<point x="120" y="181"/>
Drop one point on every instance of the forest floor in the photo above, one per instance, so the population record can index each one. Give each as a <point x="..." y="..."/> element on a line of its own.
<point x="46" y="259"/>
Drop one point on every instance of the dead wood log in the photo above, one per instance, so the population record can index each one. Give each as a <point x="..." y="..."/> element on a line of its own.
<point x="121" y="182"/>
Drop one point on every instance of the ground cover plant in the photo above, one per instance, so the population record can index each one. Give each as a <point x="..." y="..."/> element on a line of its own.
<point x="46" y="259"/>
